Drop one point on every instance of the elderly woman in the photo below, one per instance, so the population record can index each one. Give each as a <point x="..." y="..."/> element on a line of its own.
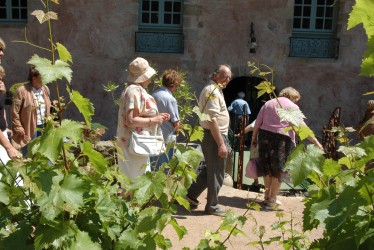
<point x="137" y="112"/>
<point x="30" y="107"/>
<point x="274" y="143"/>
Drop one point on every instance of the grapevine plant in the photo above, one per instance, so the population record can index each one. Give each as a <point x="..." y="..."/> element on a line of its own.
<point x="64" y="194"/>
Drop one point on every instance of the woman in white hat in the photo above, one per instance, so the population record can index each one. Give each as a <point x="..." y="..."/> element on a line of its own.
<point x="137" y="112"/>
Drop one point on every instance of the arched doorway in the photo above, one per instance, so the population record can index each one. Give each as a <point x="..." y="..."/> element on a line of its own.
<point x="247" y="85"/>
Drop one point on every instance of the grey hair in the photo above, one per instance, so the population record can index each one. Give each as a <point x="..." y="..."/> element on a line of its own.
<point x="218" y="70"/>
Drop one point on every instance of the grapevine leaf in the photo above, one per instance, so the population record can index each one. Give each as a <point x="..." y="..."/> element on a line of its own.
<point x="43" y="17"/>
<point x="128" y="240"/>
<point x="202" y="116"/>
<point x="104" y="205"/>
<point x="64" y="54"/>
<point x="265" y="87"/>
<point x="83" y="241"/>
<point x="366" y="190"/>
<point x="148" y="186"/>
<point x="96" y="158"/>
<point x="180" y="230"/>
<point x="301" y="162"/>
<point x="4" y="193"/>
<point x="18" y="239"/>
<point x="304" y="132"/>
<point x="51" y="72"/>
<point x="197" y="134"/>
<point x="148" y="218"/>
<point x="72" y="190"/>
<point x="362" y="12"/>
<point x="291" y="115"/>
<point x="190" y="156"/>
<point x="84" y="106"/>
<point x="320" y="208"/>
<point x="331" y="168"/>
<point x="54" y="233"/>
<point x="352" y="152"/>
<point x="367" y="65"/>
<point x="51" y="140"/>
<point x="162" y="242"/>
<point x="50" y="203"/>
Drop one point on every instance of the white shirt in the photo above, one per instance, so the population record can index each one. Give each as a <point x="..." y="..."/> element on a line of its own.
<point x="38" y="97"/>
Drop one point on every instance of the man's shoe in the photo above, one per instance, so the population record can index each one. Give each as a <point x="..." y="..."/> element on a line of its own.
<point x="193" y="202"/>
<point x="216" y="212"/>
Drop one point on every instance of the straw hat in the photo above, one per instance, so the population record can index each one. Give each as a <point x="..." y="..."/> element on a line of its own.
<point x="140" y="71"/>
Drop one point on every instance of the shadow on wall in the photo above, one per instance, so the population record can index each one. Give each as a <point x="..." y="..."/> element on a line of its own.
<point x="247" y="84"/>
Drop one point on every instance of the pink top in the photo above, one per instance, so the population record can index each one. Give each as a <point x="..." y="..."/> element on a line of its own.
<point x="269" y="120"/>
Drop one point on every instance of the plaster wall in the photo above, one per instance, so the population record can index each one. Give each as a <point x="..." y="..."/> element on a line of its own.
<point x="100" y="35"/>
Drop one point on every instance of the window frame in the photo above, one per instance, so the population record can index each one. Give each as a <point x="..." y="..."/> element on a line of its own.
<point x="160" y="26"/>
<point x="311" y="30"/>
<point x="9" y="8"/>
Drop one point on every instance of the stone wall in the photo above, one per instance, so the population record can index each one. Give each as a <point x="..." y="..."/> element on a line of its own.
<point x="100" y="35"/>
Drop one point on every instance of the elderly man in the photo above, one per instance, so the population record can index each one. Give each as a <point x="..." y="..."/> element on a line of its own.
<point x="215" y="145"/>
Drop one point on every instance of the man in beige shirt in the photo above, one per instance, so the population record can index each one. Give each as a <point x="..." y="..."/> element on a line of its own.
<point x="215" y="145"/>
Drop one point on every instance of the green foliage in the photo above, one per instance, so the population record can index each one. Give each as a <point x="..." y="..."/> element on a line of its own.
<point x="362" y="13"/>
<point x="49" y="71"/>
<point x="69" y="199"/>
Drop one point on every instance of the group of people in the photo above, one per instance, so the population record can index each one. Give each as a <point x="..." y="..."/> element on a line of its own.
<point x="29" y="110"/>
<point x="157" y="114"/>
<point x="143" y="113"/>
<point x="146" y="114"/>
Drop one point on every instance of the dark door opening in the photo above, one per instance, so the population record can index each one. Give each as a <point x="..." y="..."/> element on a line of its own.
<point x="247" y="85"/>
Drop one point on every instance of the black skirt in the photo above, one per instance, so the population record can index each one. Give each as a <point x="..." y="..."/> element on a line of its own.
<point x="273" y="151"/>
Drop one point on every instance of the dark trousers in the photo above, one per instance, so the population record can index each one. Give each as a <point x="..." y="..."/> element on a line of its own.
<point x="212" y="175"/>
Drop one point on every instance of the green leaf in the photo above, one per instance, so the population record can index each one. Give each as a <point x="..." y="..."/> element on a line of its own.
<point x="202" y="116"/>
<point x="51" y="204"/>
<point x="83" y="241"/>
<point x="53" y="234"/>
<point x="148" y="185"/>
<point x="51" y="140"/>
<point x="162" y="242"/>
<point x="43" y="17"/>
<point x="84" y="106"/>
<point x="128" y="240"/>
<point x="301" y="162"/>
<point x="51" y="72"/>
<point x="18" y="239"/>
<point x="95" y="158"/>
<point x="180" y="230"/>
<point x="265" y="87"/>
<point x="362" y="12"/>
<point x="72" y="190"/>
<point x="291" y="115"/>
<point x="4" y="193"/>
<point x="104" y="205"/>
<point x="197" y="134"/>
<point x="63" y="53"/>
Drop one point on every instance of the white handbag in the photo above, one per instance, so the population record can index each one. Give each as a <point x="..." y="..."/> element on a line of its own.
<point x="146" y="145"/>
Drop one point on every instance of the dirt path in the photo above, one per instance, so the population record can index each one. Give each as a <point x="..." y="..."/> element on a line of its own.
<point x="197" y="222"/>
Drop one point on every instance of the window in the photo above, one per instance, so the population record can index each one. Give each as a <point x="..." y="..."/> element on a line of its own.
<point x="160" y="26"/>
<point x="161" y="14"/>
<point x="13" y="11"/>
<point x="314" y="16"/>
<point x="314" y="28"/>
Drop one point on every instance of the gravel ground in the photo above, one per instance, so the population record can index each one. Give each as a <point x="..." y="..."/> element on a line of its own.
<point x="197" y="222"/>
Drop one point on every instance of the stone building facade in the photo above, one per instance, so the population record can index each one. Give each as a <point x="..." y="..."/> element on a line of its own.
<point x="101" y="36"/>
